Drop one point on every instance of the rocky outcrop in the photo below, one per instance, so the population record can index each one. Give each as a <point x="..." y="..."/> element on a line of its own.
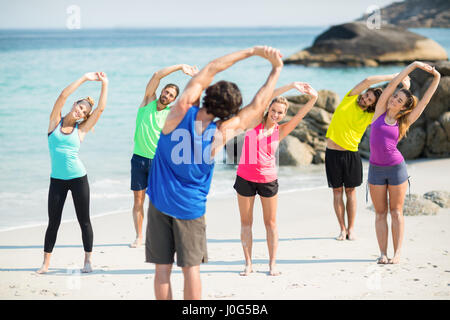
<point x="441" y="198"/>
<point x="292" y="152"/>
<point x="354" y="44"/>
<point x="419" y="206"/>
<point x="415" y="14"/>
<point x="426" y="205"/>
<point x="313" y="128"/>
<point x="307" y="143"/>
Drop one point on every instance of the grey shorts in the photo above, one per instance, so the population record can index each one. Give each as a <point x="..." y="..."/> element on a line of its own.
<point x="167" y="235"/>
<point x="391" y="175"/>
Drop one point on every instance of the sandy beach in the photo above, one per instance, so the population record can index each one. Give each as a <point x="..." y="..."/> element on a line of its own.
<point x="313" y="264"/>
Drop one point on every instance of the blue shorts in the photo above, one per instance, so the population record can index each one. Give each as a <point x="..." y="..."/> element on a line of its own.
<point x="391" y="175"/>
<point x="140" y="169"/>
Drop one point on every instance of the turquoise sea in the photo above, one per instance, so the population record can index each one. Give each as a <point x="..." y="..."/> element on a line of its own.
<point x="35" y="65"/>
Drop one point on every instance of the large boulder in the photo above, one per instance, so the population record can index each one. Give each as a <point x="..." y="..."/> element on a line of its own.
<point x="292" y="152"/>
<point x="312" y="129"/>
<point x="444" y="119"/>
<point x="413" y="144"/>
<point x="354" y="44"/>
<point x="440" y="102"/>
<point x="438" y="142"/>
<point x="328" y="100"/>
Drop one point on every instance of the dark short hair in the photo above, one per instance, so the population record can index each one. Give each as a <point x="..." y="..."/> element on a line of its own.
<point x="222" y="99"/>
<point x="172" y="85"/>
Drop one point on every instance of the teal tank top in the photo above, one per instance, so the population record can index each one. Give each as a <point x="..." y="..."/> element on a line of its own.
<point x="64" y="154"/>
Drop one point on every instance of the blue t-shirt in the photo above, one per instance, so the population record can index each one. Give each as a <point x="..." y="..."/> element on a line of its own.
<point x="182" y="170"/>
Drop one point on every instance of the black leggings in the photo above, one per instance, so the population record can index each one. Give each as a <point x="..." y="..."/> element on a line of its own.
<point x="57" y="194"/>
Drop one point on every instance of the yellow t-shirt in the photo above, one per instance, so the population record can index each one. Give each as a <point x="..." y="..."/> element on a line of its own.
<point x="349" y="123"/>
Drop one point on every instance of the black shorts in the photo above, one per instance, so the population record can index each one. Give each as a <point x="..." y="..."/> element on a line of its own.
<point x="344" y="168"/>
<point x="249" y="189"/>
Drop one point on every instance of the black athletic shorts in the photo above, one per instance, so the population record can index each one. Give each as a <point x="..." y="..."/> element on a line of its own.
<point x="248" y="188"/>
<point x="344" y="168"/>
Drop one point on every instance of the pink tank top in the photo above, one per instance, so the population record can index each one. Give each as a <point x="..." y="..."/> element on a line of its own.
<point x="258" y="157"/>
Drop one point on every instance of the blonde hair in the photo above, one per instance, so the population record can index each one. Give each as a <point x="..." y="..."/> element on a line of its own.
<point x="410" y="104"/>
<point x="91" y="102"/>
<point x="279" y="99"/>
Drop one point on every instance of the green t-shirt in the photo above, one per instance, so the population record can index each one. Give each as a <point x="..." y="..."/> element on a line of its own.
<point x="349" y="123"/>
<point x="149" y="123"/>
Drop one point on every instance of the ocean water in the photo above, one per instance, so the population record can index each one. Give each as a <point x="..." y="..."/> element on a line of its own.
<point x="35" y="65"/>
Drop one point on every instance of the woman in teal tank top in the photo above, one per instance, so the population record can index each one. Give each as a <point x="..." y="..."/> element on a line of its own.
<point x="65" y="135"/>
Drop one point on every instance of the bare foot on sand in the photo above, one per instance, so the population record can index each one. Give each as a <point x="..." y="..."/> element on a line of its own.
<point x="395" y="259"/>
<point x="383" y="259"/>
<point x="247" y="270"/>
<point x="137" y="243"/>
<point x="273" y="271"/>
<point x="42" y="270"/>
<point x="342" y="236"/>
<point x="87" y="268"/>
<point x="45" y="264"/>
<point x="351" y="235"/>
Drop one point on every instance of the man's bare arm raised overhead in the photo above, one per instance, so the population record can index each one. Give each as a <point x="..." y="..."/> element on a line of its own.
<point x="222" y="91"/>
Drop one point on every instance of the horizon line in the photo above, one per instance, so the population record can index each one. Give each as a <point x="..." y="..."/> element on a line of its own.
<point x="166" y="27"/>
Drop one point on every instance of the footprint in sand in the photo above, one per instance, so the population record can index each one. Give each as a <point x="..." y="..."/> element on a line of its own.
<point x="296" y="286"/>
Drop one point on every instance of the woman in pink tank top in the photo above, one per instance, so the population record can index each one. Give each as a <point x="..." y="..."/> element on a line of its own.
<point x="257" y="170"/>
<point x="395" y="112"/>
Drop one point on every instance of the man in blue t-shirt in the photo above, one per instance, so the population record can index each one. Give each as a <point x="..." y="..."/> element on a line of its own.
<point x="183" y="164"/>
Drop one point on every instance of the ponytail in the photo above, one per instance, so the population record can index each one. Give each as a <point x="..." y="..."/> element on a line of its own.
<point x="410" y="104"/>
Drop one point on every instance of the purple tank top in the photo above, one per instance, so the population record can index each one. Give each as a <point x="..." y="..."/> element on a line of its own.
<point x="383" y="143"/>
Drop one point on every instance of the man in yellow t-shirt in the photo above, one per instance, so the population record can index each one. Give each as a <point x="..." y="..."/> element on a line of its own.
<point x="342" y="161"/>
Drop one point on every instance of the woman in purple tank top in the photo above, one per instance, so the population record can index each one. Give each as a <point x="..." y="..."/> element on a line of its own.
<point x="395" y="112"/>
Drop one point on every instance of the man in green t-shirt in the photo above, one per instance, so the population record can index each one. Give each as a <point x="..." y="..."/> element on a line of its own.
<point x="150" y="120"/>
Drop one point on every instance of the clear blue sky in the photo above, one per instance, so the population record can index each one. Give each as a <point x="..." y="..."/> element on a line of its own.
<point x="19" y="14"/>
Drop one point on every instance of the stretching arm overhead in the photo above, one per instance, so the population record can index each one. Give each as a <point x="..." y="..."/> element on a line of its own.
<point x="392" y="86"/>
<point x="371" y="80"/>
<point x="421" y="105"/>
<point x="287" y="127"/>
<point x="203" y="79"/>
<point x="55" y="115"/>
<point x="249" y="116"/>
<point x="153" y="84"/>
<point x="95" y="115"/>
